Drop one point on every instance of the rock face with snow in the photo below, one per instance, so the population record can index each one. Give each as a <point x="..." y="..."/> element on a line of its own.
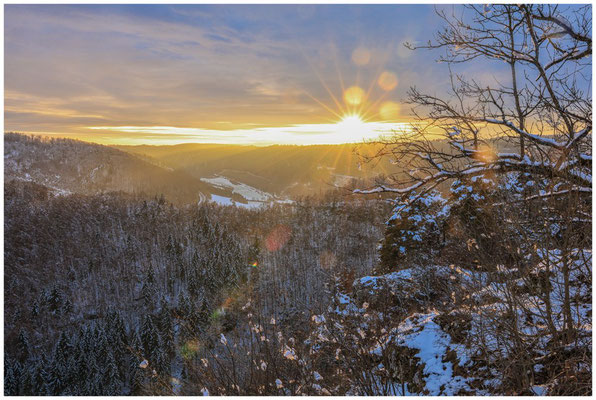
<point x="400" y="290"/>
<point x="438" y="359"/>
<point x="424" y="326"/>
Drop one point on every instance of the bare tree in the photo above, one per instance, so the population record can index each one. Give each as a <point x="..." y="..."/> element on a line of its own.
<point x="542" y="115"/>
<point x="535" y="124"/>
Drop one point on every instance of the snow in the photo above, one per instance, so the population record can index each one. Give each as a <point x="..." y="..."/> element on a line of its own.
<point x="221" y="200"/>
<point x="433" y="344"/>
<point x="226" y="201"/>
<point x="539" y="390"/>
<point x="375" y="282"/>
<point x="246" y="191"/>
<point x="255" y="197"/>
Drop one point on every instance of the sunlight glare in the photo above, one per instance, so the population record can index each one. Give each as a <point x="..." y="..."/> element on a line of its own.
<point x="351" y="127"/>
<point x="354" y="95"/>
<point x="387" y="81"/>
<point x="389" y="110"/>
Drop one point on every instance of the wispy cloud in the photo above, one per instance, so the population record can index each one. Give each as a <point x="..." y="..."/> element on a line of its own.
<point x="71" y="67"/>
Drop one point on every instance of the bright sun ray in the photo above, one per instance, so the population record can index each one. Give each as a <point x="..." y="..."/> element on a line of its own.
<point x="359" y="117"/>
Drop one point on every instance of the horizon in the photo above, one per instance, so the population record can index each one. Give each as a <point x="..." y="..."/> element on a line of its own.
<point x="50" y="136"/>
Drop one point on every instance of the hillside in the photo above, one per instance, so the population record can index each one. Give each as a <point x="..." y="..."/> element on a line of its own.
<point x="282" y="170"/>
<point x="71" y="166"/>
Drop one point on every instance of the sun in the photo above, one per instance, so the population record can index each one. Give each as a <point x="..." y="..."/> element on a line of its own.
<point x="353" y="128"/>
<point x="351" y="122"/>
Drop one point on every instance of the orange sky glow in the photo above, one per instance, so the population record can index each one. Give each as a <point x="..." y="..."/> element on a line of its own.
<point x="278" y="74"/>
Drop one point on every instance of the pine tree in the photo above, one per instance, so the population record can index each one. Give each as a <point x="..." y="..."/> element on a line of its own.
<point x="26" y="388"/>
<point x="193" y="286"/>
<point x="166" y="328"/>
<point x="111" y="380"/>
<point x="137" y="380"/>
<point x="61" y="368"/>
<point x="184" y="306"/>
<point x="55" y="300"/>
<point x="149" y="336"/>
<point x="67" y="309"/>
<point x="34" y="309"/>
<point x="54" y="378"/>
<point x="38" y="376"/>
<point x="148" y="295"/>
<point x="204" y="316"/>
<point x="11" y="377"/>
<point x="161" y="363"/>
<point x="23" y="345"/>
<point x="81" y="366"/>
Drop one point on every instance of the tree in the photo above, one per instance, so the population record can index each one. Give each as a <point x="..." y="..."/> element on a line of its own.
<point x="55" y="299"/>
<point x="516" y="152"/>
<point x="11" y="377"/>
<point x="543" y="114"/>
<point x="149" y="336"/>
<point x="166" y="328"/>
<point x="23" y="345"/>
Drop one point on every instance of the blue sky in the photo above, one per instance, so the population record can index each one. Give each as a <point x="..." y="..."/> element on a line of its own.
<point x="208" y="67"/>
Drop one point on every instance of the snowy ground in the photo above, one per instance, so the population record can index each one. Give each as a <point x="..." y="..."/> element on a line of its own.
<point x="255" y="197"/>
<point x="226" y="201"/>
<point x="248" y="192"/>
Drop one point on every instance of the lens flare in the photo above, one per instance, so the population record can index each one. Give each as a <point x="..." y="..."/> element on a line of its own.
<point x="486" y="154"/>
<point x="277" y="238"/>
<point x="189" y="349"/>
<point x="354" y="95"/>
<point x="389" y="110"/>
<point x="218" y="313"/>
<point x="387" y="81"/>
<point x="327" y="260"/>
<point x="361" y="56"/>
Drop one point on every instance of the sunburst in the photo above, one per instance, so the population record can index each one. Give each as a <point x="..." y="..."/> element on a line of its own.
<point x="359" y="115"/>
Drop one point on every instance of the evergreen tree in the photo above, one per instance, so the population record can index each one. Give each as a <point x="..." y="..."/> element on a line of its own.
<point x="193" y="286"/>
<point x="34" y="309"/>
<point x="149" y="336"/>
<point x="148" y="295"/>
<point x="23" y="345"/>
<point x="111" y="380"/>
<point x="11" y="377"/>
<point x="54" y="378"/>
<point x="26" y="387"/>
<point x="161" y="362"/>
<point x="54" y="300"/>
<point x="67" y="309"/>
<point x="137" y="380"/>
<point x="166" y="328"/>
<point x="38" y="377"/>
<point x="203" y="317"/>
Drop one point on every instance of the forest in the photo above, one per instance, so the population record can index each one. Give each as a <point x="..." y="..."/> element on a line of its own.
<point x="150" y="282"/>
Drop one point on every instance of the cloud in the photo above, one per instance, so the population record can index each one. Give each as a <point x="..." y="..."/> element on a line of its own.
<point x="197" y="65"/>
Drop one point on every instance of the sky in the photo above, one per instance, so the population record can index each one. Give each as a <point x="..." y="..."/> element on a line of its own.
<point x="246" y="74"/>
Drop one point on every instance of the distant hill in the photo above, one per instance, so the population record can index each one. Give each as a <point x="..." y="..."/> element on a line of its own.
<point x="66" y="165"/>
<point x="286" y="170"/>
<point x="228" y="174"/>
